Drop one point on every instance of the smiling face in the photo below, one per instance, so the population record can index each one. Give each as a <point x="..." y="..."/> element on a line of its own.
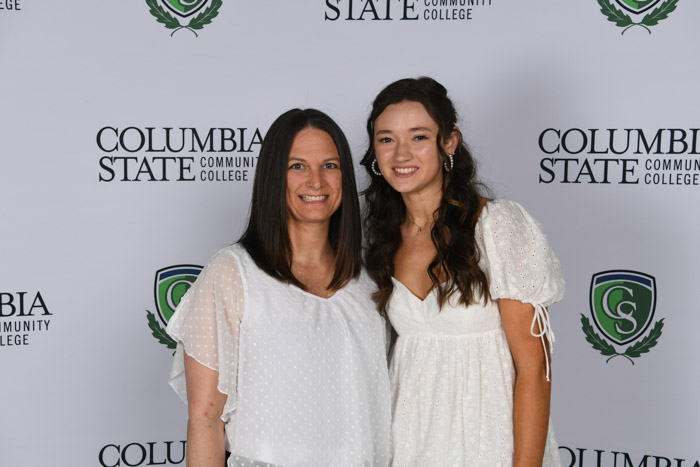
<point x="314" y="180"/>
<point x="406" y="148"/>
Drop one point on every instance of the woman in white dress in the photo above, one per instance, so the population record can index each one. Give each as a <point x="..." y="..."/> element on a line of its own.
<point x="281" y="355"/>
<point x="466" y="283"/>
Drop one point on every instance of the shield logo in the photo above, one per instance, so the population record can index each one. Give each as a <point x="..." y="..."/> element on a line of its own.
<point x="170" y="286"/>
<point x="637" y="6"/>
<point x="622" y="304"/>
<point x="185" y="8"/>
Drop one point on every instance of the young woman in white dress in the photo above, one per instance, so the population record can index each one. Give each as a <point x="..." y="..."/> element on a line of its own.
<point x="281" y="354"/>
<point x="466" y="283"/>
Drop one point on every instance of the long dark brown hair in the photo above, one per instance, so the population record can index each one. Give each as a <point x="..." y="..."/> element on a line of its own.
<point x="457" y="258"/>
<point x="266" y="238"/>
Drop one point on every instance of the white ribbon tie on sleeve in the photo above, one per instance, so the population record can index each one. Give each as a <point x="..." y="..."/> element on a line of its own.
<point x="541" y="318"/>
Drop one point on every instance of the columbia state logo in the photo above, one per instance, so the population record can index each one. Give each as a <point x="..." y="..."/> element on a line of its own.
<point x="188" y="14"/>
<point x="622" y="306"/>
<point x="170" y="286"/>
<point x="642" y="13"/>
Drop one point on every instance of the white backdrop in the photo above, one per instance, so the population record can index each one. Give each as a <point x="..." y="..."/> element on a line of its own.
<point x="83" y="381"/>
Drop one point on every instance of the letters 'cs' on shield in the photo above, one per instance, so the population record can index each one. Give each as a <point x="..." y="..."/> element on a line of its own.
<point x="622" y="304"/>
<point x="637" y="6"/>
<point x="170" y="286"/>
<point x="185" y="8"/>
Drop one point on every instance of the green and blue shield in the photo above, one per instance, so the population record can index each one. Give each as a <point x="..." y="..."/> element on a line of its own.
<point x="622" y="304"/>
<point x="170" y="286"/>
<point x="184" y="8"/>
<point x="638" y="6"/>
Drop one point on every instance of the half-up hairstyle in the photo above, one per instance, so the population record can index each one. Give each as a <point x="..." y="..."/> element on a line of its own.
<point x="266" y="237"/>
<point x="457" y="258"/>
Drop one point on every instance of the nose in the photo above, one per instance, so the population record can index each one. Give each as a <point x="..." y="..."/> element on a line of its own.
<point x="402" y="152"/>
<point x="315" y="179"/>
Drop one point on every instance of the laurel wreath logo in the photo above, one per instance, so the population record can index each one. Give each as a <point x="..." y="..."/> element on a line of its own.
<point x="623" y="20"/>
<point x="170" y="22"/>
<point x="159" y="333"/>
<point x="633" y="351"/>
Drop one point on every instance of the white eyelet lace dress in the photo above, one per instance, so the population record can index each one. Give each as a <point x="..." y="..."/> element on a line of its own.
<point x="452" y="373"/>
<point x="305" y="377"/>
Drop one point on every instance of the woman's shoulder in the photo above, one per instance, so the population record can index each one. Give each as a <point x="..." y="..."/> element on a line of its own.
<point x="227" y="256"/>
<point x="228" y="263"/>
<point x="507" y="232"/>
<point x="516" y="254"/>
<point x="359" y="291"/>
<point x="365" y="281"/>
<point x="498" y="207"/>
<point x="360" y="288"/>
<point x="361" y="283"/>
<point x="508" y="216"/>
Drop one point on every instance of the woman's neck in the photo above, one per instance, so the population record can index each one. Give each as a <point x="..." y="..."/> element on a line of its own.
<point x="421" y="207"/>
<point x="309" y="243"/>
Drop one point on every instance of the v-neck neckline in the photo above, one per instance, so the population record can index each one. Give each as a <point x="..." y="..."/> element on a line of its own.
<point x="482" y="213"/>
<point x="410" y="292"/>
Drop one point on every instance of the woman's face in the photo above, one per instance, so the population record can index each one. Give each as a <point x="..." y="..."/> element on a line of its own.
<point x="406" y="148"/>
<point x="314" y="181"/>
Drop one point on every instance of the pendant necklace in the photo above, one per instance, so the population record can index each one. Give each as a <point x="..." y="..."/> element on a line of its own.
<point x="420" y="227"/>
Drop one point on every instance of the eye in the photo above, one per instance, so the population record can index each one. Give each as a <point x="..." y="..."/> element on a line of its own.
<point x="420" y="137"/>
<point x="386" y="139"/>
<point x="296" y="166"/>
<point x="331" y="165"/>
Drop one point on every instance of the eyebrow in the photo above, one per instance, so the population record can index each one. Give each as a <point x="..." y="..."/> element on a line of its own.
<point x="418" y="128"/>
<point x="301" y="159"/>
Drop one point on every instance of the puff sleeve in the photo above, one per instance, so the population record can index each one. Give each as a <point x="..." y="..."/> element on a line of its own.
<point x="519" y="263"/>
<point x="206" y="326"/>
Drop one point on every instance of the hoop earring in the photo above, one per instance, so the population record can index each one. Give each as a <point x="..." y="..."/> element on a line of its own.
<point x="452" y="163"/>
<point x="375" y="168"/>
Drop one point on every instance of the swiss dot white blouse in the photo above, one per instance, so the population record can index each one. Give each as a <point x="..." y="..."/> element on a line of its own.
<point x="305" y="377"/>
<point x="452" y="373"/>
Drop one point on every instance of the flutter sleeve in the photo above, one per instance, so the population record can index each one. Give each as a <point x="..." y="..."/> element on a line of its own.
<point x="206" y="326"/>
<point x="519" y="263"/>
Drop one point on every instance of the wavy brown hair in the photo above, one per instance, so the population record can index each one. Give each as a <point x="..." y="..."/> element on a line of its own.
<point x="457" y="258"/>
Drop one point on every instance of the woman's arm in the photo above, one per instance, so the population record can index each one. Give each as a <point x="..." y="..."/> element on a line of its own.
<point x="205" y="430"/>
<point x="532" y="390"/>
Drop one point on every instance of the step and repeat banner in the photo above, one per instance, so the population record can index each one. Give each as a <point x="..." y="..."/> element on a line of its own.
<point x="129" y="136"/>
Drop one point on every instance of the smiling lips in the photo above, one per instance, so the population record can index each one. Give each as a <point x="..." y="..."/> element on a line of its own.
<point x="404" y="171"/>
<point x="313" y="199"/>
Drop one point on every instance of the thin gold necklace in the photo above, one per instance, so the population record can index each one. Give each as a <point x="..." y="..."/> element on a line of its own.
<point x="420" y="227"/>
